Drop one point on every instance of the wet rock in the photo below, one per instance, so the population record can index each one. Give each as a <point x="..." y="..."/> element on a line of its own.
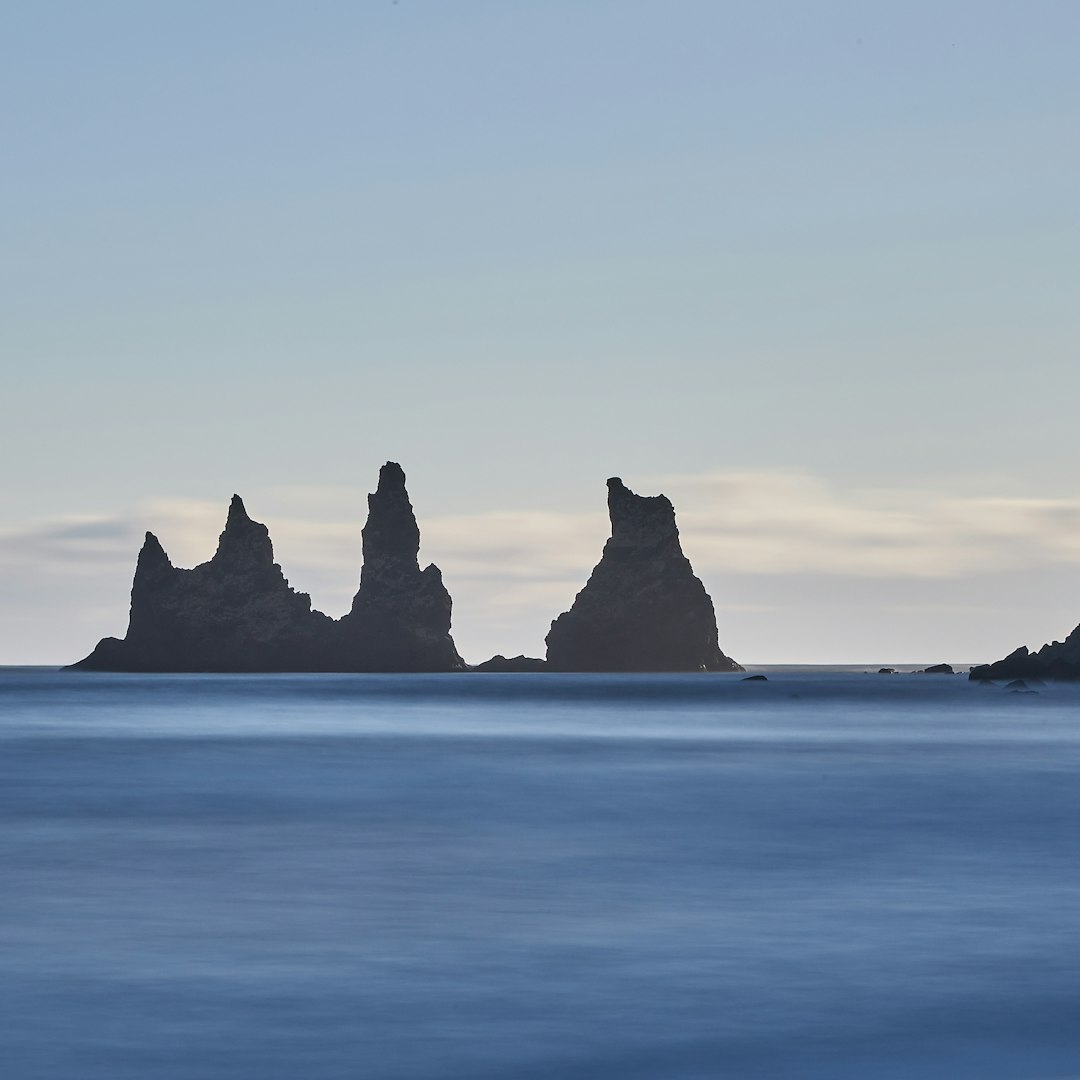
<point x="642" y="609"/>
<point x="937" y="669"/>
<point x="755" y="678"/>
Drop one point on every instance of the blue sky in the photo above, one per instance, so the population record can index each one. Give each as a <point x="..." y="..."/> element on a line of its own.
<point x="521" y="247"/>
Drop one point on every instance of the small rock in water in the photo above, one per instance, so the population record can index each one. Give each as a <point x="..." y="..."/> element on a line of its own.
<point x="886" y="671"/>
<point x="938" y="669"/>
<point x="755" y="678"/>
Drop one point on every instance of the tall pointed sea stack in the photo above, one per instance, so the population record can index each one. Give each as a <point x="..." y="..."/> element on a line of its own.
<point x="400" y="617"/>
<point x="233" y="613"/>
<point x="643" y="609"/>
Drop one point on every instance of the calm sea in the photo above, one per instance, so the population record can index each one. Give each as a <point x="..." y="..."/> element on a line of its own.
<point x="509" y="877"/>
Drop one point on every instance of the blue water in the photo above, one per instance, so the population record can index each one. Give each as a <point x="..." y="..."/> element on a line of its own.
<point x="485" y="877"/>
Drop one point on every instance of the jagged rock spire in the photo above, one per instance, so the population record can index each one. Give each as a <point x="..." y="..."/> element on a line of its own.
<point x="152" y="555"/>
<point x="391" y="537"/>
<point x="243" y="543"/>
<point x="400" y="617"/>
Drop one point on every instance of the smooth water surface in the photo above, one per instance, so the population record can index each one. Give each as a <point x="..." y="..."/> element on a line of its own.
<point x="478" y="877"/>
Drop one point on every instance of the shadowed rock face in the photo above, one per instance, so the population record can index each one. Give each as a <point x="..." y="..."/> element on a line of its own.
<point x="643" y="609"/>
<point x="400" y="617"/>
<point x="238" y="613"/>
<point x="1058" y="660"/>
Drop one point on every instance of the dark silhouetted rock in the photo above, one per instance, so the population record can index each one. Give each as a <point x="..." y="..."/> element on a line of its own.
<point x="886" y="671"/>
<point x="233" y="613"/>
<point x="642" y="609"/>
<point x="756" y="678"/>
<point x="238" y="613"/>
<point x="500" y="663"/>
<point x="1058" y="660"/>
<point x="400" y="617"/>
<point x="937" y="669"/>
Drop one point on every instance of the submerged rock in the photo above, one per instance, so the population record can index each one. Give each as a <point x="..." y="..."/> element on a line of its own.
<point x="238" y="613"/>
<point x="642" y="609"/>
<point x="1058" y="660"/>
<point x="756" y="678"/>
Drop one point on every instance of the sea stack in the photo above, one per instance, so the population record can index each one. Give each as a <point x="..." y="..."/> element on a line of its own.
<point x="643" y="608"/>
<point x="238" y="613"/>
<point x="400" y="617"/>
<point x="1058" y="660"/>
<point x="233" y="613"/>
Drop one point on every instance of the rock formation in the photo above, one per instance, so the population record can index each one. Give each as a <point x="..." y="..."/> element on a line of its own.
<point x="400" y="617"/>
<point x="233" y="613"/>
<point x="1058" y="660"/>
<point x="500" y="664"/>
<point x="643" y="609"/>
<point x="238" y="613"/>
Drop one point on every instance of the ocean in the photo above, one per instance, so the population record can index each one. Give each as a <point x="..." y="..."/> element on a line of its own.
<point x="830" y="874"/>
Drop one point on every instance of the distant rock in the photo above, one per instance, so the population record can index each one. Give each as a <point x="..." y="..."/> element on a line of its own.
<point x="400" y="617"/>
<point x="755" y="678"/>
<point x="1058" y="660"/>
<point x="642" y="609"/>
<point x="500" y="663"/>
<point x="233" y="613"/>
<point x="886" y="671"/>
<point x="936" y="669"/>
<point x="238" y="613"/>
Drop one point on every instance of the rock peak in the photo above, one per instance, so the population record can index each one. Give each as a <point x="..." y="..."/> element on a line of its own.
<point x="391" y="535"/>
<point x="243" y="543"/>
<point x="640" y="521"/>
<point x="152" y="554"/>
<point x="391" y="477"/>
<point x="238" y="514"/>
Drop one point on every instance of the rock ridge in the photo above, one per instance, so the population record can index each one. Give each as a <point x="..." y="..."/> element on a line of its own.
<point x="1057" y="660"/>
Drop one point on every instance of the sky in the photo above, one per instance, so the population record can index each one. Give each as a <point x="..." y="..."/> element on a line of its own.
<point x="809" y="268"/>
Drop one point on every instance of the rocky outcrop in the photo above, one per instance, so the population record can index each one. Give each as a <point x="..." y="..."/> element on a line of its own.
<point x="643" y="609"/>
<point x="1058" y="660"/>
<point x="238" y="613"/>
<point x="233" y="613"/>
<point x="400" y="617"/>
<point x="500" y="664"/>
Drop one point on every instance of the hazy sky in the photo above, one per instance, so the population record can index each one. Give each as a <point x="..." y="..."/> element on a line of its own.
<point x="811" y="268"/>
